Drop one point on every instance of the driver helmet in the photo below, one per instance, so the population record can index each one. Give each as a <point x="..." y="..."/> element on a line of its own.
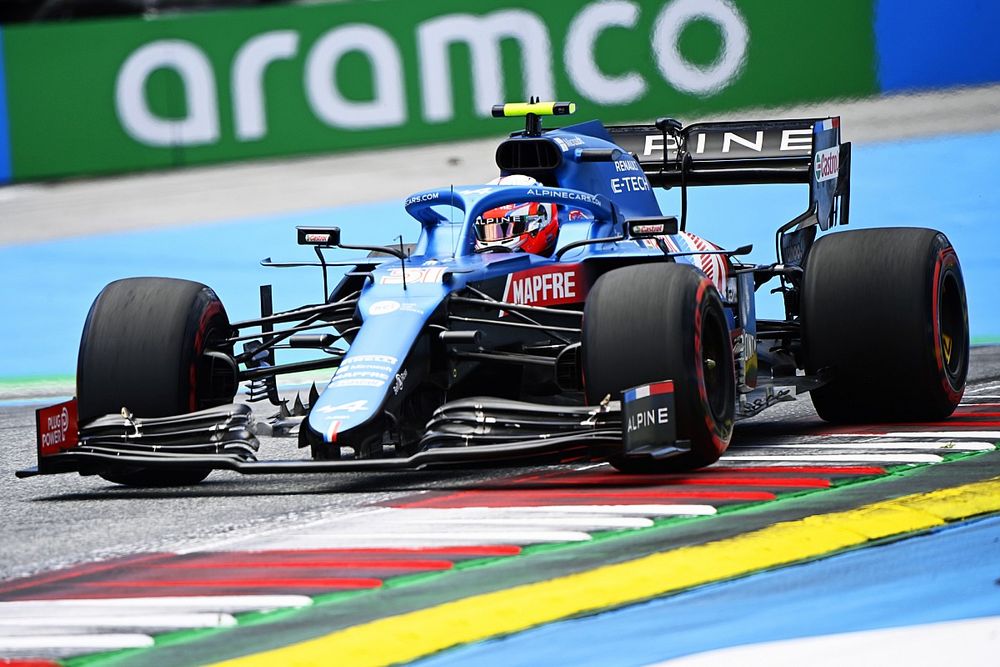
<point x="526" y="227"/>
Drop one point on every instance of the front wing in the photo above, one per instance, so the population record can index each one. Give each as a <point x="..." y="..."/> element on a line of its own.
<point x="473" y="432"/>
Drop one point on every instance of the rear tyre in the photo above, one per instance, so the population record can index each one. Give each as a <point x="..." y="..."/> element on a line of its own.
<point x="144" y="348"/>
<point x="884" y="314"/>
<point x="663" y="322"/>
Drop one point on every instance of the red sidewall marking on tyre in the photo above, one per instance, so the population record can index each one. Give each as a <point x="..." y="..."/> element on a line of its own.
<point x="213" y="309"/>
<point x="718" y="443"/>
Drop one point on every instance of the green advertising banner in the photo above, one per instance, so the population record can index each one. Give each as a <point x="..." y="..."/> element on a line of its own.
<point x="107" y="96"/>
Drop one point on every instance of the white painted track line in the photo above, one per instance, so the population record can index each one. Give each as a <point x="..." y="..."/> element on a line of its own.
<point x="637" y="510"/>
<point x="69" y="644"/>
<point x="955" y="435"/>
<point x="876" y="445"/>
<point x="838" y="458"/>
<point x="120" y="621"/>
<point x="992" y="436"/>
<point x="439" y="539"/>
<point x="371" y="514"/>
<point x="591" y="466"/>
<point x="477" y="536"/>
<point x="201" y="603"/>
<point x="456" y="522"/>
<point x="975" y="391"/>
<point x="561" y="510"/>
<point x="414" y="527"/>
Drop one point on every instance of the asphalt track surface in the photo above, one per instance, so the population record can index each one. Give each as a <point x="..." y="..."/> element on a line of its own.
<point x="52" y="522"/>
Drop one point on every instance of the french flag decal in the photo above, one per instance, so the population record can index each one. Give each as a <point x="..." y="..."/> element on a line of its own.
<point x="827" y="124"/>
<point x="654" y="389"/>
<point x="332" y="430"/>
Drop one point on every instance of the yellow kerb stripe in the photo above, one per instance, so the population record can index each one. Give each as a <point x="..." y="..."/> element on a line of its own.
<point x="420" y="633"/>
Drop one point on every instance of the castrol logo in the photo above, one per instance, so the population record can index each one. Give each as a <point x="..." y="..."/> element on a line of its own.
<point x="827" y="164"/>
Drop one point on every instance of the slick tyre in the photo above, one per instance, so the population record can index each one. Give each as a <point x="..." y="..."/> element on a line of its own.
<point x="884" y="316"/>
<point x="144" y="348"/>
<point x="663" y="322"/>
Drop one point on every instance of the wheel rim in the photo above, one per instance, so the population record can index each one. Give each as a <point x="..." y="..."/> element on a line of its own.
<point x="716" y="371"/>
<point x="951" y="327"/>
<point x="215" y="383"/>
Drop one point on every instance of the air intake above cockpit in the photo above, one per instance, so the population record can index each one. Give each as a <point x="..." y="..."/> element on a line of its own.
<point x="528" y="156"/>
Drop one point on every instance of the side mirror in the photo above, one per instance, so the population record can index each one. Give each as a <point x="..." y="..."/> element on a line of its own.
<point x="326" y="237"/>
<point x="669" y="125"/>
<point x="645" y="228"/>
<point x="599" y="154"/>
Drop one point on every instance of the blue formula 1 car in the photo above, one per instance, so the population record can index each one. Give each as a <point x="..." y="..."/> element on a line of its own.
<point x="553" y="315"/>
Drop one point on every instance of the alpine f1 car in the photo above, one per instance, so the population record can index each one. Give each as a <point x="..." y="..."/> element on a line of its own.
<point x="553" y="315"/>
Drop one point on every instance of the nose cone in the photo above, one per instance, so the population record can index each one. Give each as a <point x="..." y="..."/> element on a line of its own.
<point x="371" y="380"/>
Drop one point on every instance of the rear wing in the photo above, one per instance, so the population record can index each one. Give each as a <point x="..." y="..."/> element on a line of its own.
<point x="806" y="151"/>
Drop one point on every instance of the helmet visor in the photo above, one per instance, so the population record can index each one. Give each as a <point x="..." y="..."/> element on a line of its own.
<point x="502" y="229"/>
<point x="494" y="226"/>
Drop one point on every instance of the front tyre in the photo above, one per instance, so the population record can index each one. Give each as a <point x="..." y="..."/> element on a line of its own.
<point x="884" y="315"/>
<point x="144" y="348"/>
<point x="663" y="322"/>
